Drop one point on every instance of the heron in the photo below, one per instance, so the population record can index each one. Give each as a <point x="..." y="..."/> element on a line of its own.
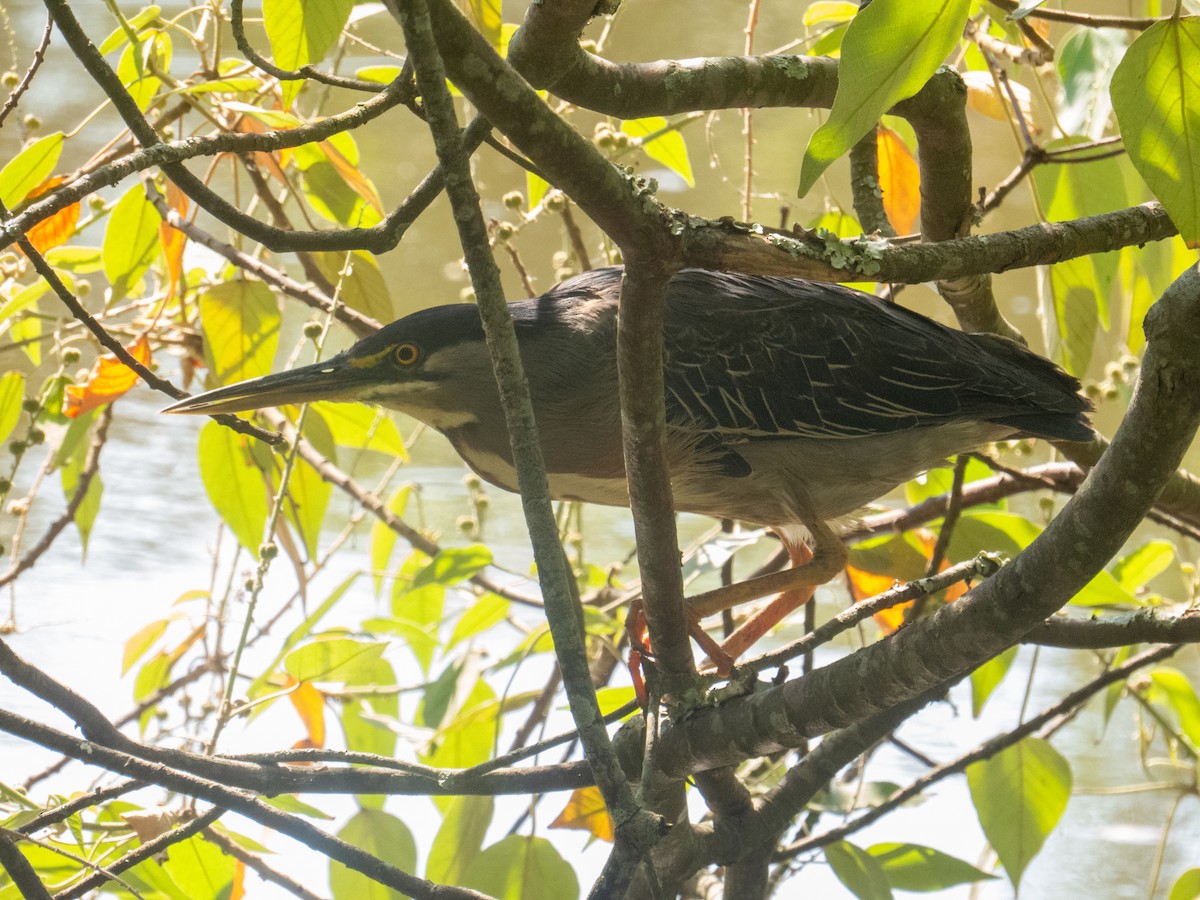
<point x="790" y="404"/>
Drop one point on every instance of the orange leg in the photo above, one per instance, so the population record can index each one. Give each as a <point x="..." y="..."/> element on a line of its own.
<point x="750" y="631"/>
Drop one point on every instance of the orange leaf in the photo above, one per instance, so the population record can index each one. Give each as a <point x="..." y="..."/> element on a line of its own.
<point x="585" y="812"/>
<point x="57" y="229"/>
<point x="353" y="176"/>
<point x="173" y="240"/>
<point x="272" y="162"/>
<point x="238" y="889"/>
<point x="109" y="380"/>
<point x="869" y="584"/>
<point x="310" y="705"/>
<point x="900" y="181"/>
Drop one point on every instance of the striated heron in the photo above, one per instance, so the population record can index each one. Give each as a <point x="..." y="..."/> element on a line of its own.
<point x="788" y="403"/>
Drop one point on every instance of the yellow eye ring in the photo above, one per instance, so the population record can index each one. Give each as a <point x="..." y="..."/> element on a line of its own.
<point x="406" y="354"/>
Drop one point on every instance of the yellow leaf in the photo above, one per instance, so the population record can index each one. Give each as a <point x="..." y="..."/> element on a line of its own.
<point x="310" y="706"/>
<point x="353" y="176"/>
<point x="109" y="380"/>
<point x="900" y="180"/>
<point x="986" y="97"/>
<point x="173" y="240"/>
<point x="58" y="228"/>
<point x="585" y="811"/>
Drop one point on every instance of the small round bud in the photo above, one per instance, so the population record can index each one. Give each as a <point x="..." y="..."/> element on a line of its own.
<point x="467" y="295"/>
<point x="473" y="482"/>
<point x="161" y="714"/>
<point x="269" y="550"/>
<point x="96" y="202"/>
<point x="505" y="230"/>
<point x="18" y="507"/>
<point x="621" y="139"/>
<point x="167" y="132"/>
<point x="514" y="199"/>
<point x="30" y="405"/>
<point x="313" y="329"/>
<point x="207" y="708"/>
<point x="1111" y="393"/>
<point x="3" y="550"/>
<point x="71" y="355"/>
<point x="588" y="46"/>
<point x="16" y="448"/>
<point x="5" y="485"/>
<point x="11" y="79"/>
<point x="1114" y="372"/>
<point x="248" y="584"/>
<point x="37" y="436"/>
<point x="32" y="122"/>
<point x="555" y="201"/>
<point x="482" y="502"/>
<point x="83" y="288"/>
<point x="560" y="259"/>
<point x="466" y="524"/>
<point x="615" y="257"/>
<point x="1092" y="391"/>
<point x="601" y="129"/>
<point x="565" y="273"/>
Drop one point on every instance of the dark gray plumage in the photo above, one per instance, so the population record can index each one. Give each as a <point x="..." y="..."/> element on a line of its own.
<point x="788" y="403"/>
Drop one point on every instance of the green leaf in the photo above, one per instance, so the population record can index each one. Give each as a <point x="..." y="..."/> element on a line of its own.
<point x="301" y="32"/>
<point x="234" y="483"/>
<point x="332" y="659"/>
<point x="383" y="836"/>
<point x="911" y="867"/>
<point x="29" y="168"/>
<point x="292" y="804"/>
<point x="535" y="189"/>
<point x="137" y="63"/>
<point x="890" y="50"/>
<point x="858" y="870"/>
<point x="241" y="330"/>
<point x="130" y="241"/>
<point x="118" y="36"/>
<point x="999" y="532"/>
<point x="1156" y="96"/>
<point x="459" y="840"/>
<point x="829" y="12"/>
<point x="365" y="733"/>
<point x="12" y="395"/>
<point x="308" y="493"/>
<point x="666" y="146"/>
<point x="483" y="613"/>
<point x="1019" y="796"/>
<point x="199" y="868"/>
<point x="1076" y="313"/>
<point x="1086" y="60"/>
<point x="987" y="678"/>
<point x="1144" y="564"/>
<point x="363" y="288"/>
<point x="1187" y="887"/>
<point x="80" y="260"/>
<point x="523" y="868"/>
<point x="89" y="507"/>
<point x="454" y="565"/>
<point x="1172" y="688"/>
<point x="383" y="538"/>
<point x="470" y="734"/>
<point x="379" y="74"/>
<point x="362" y="427"/>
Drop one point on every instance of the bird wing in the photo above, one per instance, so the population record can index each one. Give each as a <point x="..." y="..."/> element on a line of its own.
<point x="752" y="358"/>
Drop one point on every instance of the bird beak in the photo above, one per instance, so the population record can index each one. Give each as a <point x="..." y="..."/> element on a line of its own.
<point x="331" y="380"/>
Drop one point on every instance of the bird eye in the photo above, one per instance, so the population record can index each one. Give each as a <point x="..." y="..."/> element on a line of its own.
<point x="406" y="354"/>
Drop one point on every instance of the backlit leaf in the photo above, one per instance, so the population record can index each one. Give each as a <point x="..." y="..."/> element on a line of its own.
<point x="1187" y="886"/>
<point x="585" y="811"/>
<point x="1156" y="96"/>
<point x="666" y="146"/>
<point x="459" y="840"/>
<point x="890" y="50"/>
<point x="137" y="645"/>
<point x="241" y="329"/>
<point x="331" y="659"/>
<point x="1019" y="796"/>
<point x="301" y="32"/>
<point x="58" y="228"/>
<point x="362" y="427"/>
<point x="453" y="565"/>
<point x="1144" y="564"/>
<point x="234" y="483"/>
<point x="309" y="704"/>
<point x="29" y="168"/>
<point x="199" y="868"/>
<point x="383" y="538"/>
<point x="985" y="96"/>
<point x="1086" y="60"/>
<point x="383" y="836"/>
<point x="1172" y="688"/>
<point x="523" y="868"/>
<point x="483" y="613"/>
<point x="12" y="395"/>
<point x="911" y="867"/>
<point x="986" y="678"/>
<point x="130" y="240"/>
<point x="109" y="380"/>
<point x="364" y="288"/>
<point x="900" y="181"/>
<point x="858" y="870"/>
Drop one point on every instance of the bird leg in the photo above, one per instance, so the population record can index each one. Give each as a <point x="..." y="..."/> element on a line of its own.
<point x="828" y="557"/>
<point x="786" y="602"/>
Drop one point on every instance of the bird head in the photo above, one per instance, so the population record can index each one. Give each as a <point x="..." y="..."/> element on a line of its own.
<point x="432" y="364"/>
